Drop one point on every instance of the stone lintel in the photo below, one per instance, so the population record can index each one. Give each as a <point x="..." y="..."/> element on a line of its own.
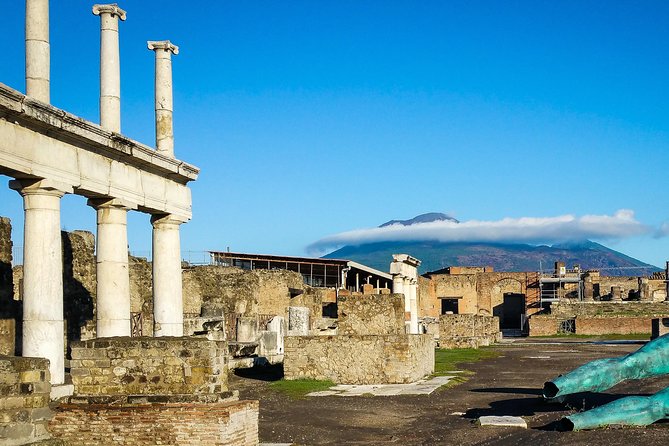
<point x="163" y="45"/>
<point x="109" y="9"/>
<point x="58" y="124"/>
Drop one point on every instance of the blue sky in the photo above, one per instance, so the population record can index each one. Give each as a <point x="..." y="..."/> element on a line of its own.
<point x="313" y="118"/>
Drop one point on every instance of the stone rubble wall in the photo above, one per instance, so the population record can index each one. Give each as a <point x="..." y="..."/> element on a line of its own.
<point x="548" y="325"/>
<point x="10" y="309"/>
<point x="24" y="400"/>
<point x="148" y="366"/>
<point x="359" y="359"/>
<point x="371" y="314"/>
<point x="468" y="330"/>
<point x="169" y="423"/>
<point x="599" y="309"/>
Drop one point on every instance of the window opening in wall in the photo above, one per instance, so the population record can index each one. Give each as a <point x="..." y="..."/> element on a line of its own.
<point x="449" y="305"/>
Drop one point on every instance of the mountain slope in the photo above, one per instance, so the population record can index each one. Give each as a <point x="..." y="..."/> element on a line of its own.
<point x="503" y="257"/>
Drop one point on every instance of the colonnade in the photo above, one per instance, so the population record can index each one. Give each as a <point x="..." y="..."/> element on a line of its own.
<point x="43" y="325"/>
<point x="404" y="270"/>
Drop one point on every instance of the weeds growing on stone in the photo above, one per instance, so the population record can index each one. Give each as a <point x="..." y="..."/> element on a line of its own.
<point x="446" y="361"/>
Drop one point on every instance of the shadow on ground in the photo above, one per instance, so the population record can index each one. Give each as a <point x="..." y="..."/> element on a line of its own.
<point x="262" y="372"/>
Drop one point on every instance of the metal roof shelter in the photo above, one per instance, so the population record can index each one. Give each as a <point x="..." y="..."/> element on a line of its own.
<point x="317" y="272"/>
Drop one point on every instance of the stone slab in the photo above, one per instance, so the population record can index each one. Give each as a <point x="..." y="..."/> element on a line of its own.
<point x="422" y="387"/>
<point x="503" y="421"/>
<point x="61" y="391"/>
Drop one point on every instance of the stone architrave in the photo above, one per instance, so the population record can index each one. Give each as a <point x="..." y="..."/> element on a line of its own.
<point x="43" y="326"/>
<point x="298" y="321"/>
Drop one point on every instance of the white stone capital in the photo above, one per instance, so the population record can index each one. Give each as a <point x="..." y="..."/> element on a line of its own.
<point x="162" y="220"/>
<point x="118" y="203"/>
<point x="112" y="9"/>
<point x="40" y="187"/>
<point x="165" y="45"/>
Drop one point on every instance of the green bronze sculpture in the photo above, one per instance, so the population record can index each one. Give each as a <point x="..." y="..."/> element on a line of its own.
<point x="650" y="360"/>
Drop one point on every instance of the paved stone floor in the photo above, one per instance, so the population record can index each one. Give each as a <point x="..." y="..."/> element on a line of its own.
<point x="509" y="385"/>
<point x="422" y="387"/>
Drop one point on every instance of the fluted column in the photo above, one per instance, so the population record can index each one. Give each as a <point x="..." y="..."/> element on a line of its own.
<point x="113" y="279"/>
<point x="110" y="66"/>
<point x="163" y="95"/>
<point x="38" y="59"/>
<point x="167" y="292"/>
<point x="43" y="328"/>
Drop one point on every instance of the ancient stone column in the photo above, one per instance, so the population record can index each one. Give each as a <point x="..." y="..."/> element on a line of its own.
<point x="113" y="279"/>
<point x="163" y="95"/>
<point x="616" y="294"/>
<point x="43" y="327"/>
<point x="644" y="290"/>
<point x="110" y="66"/>
<point x="37" y="50"/>
<point x="588" y="289"/>
<point x="413" y="306"/>
<point x="168" y="317"/>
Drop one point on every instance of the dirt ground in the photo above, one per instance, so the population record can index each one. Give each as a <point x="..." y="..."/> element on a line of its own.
<point x="507" y="385"/>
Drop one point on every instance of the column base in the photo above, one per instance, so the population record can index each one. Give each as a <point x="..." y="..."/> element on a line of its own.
<point x="109" y="328"/>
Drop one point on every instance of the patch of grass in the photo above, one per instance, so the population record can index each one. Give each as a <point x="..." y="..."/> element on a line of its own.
<point x="298" y="388"/>
<point x="446" y="361"/>
<point x="606" y="337"/>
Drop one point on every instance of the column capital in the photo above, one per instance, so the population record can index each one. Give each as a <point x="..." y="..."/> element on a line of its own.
<point x="167" y="219"/>
<point x="118" y="203"/>
<point x="165" y="45"/>
<point x="111" y="8"/>
<point x="43" y="186"/>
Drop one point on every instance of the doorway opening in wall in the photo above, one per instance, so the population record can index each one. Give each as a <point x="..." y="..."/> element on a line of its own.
<point x="449" y="305"/>
<point x="513" y="308"/>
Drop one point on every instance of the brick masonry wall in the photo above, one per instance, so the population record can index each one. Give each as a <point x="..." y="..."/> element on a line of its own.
<point x="214" y="424"/>
<point x="10" y="309"/>
<point x="371" y="314"/>
<point x="357" y="359"/>
<point x="468" y="330"/>
<point x="166" y="365"/>
<point x="613" y="325"/>
<point x="24" y="400"/>
<point x="541" y="325"/>
<point x="592" y="309"/>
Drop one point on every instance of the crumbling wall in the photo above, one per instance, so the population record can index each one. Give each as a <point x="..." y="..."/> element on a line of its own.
<point x="468" y="330"/>
<point x="428" y="304"/>
<point x="629" y="285"/>
<point x="356" y="359"/>
<point x="174" y="423"/>
<point x="225" y="290"/>
<point x="24" y="400"/>
<point x="143" y="365"/>
<point x="79" y="284"/>
<point x="141" y="293"/>
<point x="596" y="309"/>
<point x="10" y="309"/>
<point x="462" y="287"/>
<point x="371" y="314"/>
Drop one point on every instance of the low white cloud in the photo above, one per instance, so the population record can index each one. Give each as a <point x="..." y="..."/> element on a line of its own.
<point x="508" y="230"/>
<point x="663" y="230"/>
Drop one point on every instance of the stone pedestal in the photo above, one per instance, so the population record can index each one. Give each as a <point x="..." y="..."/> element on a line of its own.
<point x="616" y="294"/>
<point x="644" y="290"/>
<point x="167" y="284"/>
<point x="588" y="289"/>
<point x="43" y="327"/>
<point x="113" y="280"/>
<point x="298" y="321"/>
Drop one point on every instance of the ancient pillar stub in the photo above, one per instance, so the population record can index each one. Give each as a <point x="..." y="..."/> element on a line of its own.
<point x="163" y="95"/>
<point x="644" y="290"/>
<point x="616" y="294"/>
<point x="298" y="321"/>
<point x="404" y="269"/>
<point x="588" y="289"/>
<point x="110" y="66"/>
<point x="38" y="59"/>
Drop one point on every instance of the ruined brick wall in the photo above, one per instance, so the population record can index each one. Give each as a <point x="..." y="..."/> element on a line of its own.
<point x="313" y="299"/>
<point x="594" y="309"/>
<point x="371" y="314"/>
<point x="79" y="283"/>
<point x="428" y="304"/>
<point x="24" y="400"/>
<point x="141" y="292"/>
<point x="629" y="285"/>
<point x="151" y="366"/>
<point x="613" y="325"/>
<point x="463" y="287"/>
<point x="541" y="325"/>
<point x="170" y="423"/>
<point x="356" y="359"/>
